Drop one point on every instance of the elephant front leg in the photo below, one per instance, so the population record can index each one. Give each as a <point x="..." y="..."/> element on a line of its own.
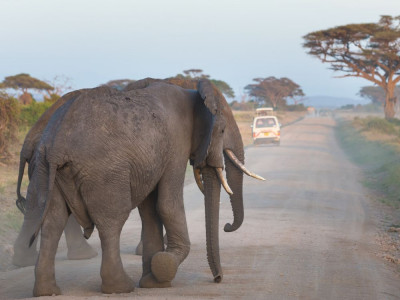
<point x="152" y="241"/>
<point x="52" y="228"/>
<point x="170" y="207"/>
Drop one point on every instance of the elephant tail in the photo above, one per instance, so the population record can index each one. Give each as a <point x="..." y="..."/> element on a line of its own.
<point x="47" y="198"/>
<point x="21" y="201"/>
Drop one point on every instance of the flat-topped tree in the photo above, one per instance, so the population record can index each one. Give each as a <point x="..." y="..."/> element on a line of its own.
<point x="368" y="50"/>
<point x="376" y="94"/>
<point x="119" y="84"/>
<point x="197" y="74"/>
<point x="272" y="90"/>
<point x="24" y="82"/>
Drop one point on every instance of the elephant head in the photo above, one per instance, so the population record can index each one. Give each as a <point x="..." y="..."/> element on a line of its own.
<point x="217" y="143"/>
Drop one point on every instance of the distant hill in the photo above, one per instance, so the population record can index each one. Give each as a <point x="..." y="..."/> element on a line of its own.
<point x="332" y="102"/>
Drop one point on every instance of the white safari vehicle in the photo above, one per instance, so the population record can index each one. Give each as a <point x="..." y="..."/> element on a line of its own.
<point x="264" y="111"/>
<point x="266" y="129"/>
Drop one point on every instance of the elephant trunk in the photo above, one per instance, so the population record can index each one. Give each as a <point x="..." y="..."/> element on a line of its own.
<point x="212" y="189"/>
<point x="234" y="177"/>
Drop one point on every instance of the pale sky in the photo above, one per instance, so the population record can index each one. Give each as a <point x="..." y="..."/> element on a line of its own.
<point x="94" y="41"/>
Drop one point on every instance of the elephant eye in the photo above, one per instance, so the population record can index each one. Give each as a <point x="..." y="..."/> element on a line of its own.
<point x="223" y="130"/>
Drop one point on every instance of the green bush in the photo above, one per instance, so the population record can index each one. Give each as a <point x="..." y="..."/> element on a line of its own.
<point x="378" y="125"/>
<point x="395" y="122"/>
<point x="31" y="113"/>
<point x="9" y="111"/>
<point x="52" y="98"/>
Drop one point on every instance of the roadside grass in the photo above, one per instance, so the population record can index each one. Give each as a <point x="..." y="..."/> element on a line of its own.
<point x="10" y="217"/>
<point x="373" y="144"/>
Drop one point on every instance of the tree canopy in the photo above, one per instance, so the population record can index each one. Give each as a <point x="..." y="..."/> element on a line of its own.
<point x="119" y="84"/>
<point x="273" y="91"/>
<point x="376" y="94"/>
<point x="369" y="50"/>
<point x="24" y="82"/>
<point x="197" y="74"/>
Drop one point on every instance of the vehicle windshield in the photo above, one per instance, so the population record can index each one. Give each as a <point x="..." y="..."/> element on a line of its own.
<point x="266" y="122"/>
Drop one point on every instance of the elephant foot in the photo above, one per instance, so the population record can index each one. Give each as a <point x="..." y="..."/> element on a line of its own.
<point x="139" y="248"/>
<point x="118" y="286"/>
<point x="148" y="281"/>
<point x="46" y="289"/>
<point x="24" y="258"/>
<point x="164" y="266"/>
<point x="83" y="251"/>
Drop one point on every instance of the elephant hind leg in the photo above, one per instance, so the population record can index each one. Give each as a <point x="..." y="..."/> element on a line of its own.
<point x="113" y="275"/>
<point x="52" y="228"/>
<point x="78" y="247"/>
<point x="109" y="206"/>
<point x="23" y="254"/>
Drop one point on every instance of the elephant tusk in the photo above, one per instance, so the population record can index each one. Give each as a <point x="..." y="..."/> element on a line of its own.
<point x="239" y="164"/>
<point x="199" y="181"/>
<point x="223" y="181"/>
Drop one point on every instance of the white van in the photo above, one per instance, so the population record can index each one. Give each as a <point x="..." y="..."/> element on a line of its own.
<point x="266" y="129"/>
<point x="264" y="111"/>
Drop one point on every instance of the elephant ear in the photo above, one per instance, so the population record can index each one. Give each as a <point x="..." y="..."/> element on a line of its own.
<point x="208" y="127"/>
<point x="210" y="94"/>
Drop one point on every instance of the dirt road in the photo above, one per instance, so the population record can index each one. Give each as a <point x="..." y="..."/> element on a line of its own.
<point x="308" y="234"/>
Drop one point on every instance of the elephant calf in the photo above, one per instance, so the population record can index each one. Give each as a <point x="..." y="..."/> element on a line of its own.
<point x="134" y="154"/>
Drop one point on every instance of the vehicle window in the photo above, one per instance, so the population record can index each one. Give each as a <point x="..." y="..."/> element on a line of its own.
<point x="265" y="123"/>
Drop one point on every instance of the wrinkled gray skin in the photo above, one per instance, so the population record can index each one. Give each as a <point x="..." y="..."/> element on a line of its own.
<point x="78" y="248"/>
<point x="134" y="154"/>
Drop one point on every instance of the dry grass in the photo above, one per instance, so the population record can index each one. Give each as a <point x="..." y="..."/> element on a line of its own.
<point x="10" y="217"/>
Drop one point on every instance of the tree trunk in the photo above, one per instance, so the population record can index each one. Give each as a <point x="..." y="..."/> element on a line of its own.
<point x="390" y="102"/>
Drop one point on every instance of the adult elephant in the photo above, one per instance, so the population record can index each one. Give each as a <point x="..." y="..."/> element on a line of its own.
<point x="78" y="248"/>
<point x="134" y="154"/>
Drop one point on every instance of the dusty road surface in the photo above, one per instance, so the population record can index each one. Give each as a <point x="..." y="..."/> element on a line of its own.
<point x="308" y="234"/>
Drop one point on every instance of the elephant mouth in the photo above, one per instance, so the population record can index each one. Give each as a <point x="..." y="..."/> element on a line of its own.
<point x="198" y="174"/>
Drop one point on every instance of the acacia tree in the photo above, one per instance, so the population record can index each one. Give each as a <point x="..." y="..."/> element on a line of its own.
<point x="24" y="82"/>
<point x="273" y="90"/>
<point x="376" y="94"/>
<point x="369" y="50"/>
<point x="119" y="84"/>
<point x="197" y="74"/>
